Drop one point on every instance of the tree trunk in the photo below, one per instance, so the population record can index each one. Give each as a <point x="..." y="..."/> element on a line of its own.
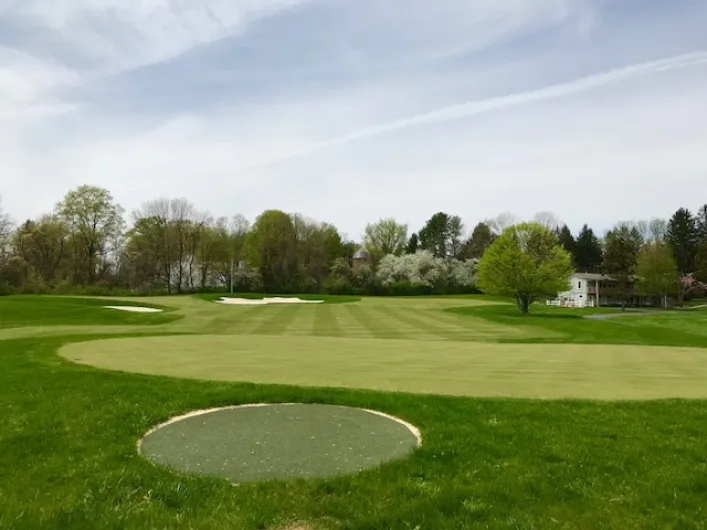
<point x="523" y="303"/>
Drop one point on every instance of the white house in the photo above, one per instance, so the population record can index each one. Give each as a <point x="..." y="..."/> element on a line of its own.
<point x="584" y="291"/>
<point x="592" y="290"/>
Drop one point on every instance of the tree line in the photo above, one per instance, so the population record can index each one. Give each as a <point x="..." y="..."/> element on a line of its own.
<point x="86" y="244"/>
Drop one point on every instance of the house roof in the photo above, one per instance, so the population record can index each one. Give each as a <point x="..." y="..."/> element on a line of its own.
<point x="592" y="276"/>
<point x="361" y="253"/>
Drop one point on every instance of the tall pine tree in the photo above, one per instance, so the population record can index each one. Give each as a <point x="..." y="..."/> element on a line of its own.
<point x="588" y="252"/>
<point x="481" y="239"/>
<point x="683" y="238"/>
<point x="413" y="244"/>
<point x="568" y="242"/>
<point x="701" y="220"/>
<point x="441" y="235"/>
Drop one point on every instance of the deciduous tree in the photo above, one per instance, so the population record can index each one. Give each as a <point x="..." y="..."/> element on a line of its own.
<point x="502" y="221"/>
<point x="656" y="271"/>
<point x="5" y="231"/>
<point x="318" y="246"/>
<point x="620" y="255"/>
<point x="271" y="247"/>
<point x="548" y="220"/>
<point x="93" y="220"/>
<point x="149" y="264"/>
<point x="41" y="245"/>
<point x="525" y="263"/>
<point x="385" y="237"/>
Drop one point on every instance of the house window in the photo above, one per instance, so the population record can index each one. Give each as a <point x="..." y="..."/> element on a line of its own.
<point x="579" y="285"/>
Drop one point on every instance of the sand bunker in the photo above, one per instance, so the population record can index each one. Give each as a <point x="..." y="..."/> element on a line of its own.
<point x="133" y="308"/>
<point x="266" y="301"/>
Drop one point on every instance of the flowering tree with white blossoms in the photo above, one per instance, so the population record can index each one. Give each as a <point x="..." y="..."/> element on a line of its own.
<point x="423" y="268"/>
<point x="463" y="273"/>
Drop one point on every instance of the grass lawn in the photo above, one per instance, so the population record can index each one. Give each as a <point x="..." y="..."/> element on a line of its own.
<point x="28" y="310"/>
<point x="415" y="366"/>
<point x="68" y="433"/>
<point x="673" y="328"/>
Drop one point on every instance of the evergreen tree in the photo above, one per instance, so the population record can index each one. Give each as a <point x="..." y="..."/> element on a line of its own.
<point x="413" y="244"/>
<point x="441" y="235"/>
<point x="481" y="239"/>
<point x="701" y="263"/>
<point x="683" y="238"/>
<point x="587" y="250"/>
<point x="701" y="220"/>
<point x="568" y="242"/>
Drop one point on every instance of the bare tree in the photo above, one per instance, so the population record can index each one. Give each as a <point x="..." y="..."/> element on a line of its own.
<point x="157" y="236"/>
<point x="658" y="229"/>
<point x="502" y="221"/>
<point x="385" y="237"/>
<point x="182" y="216"/>
<point x="652" y="231"/>
<point x="5" y="231"/>
<point x="549" y="220"/>
<point x="173" y="238"/>
<point x="198" y="236"/>
<point x="239" y="225"/>
<point x="41" y="245"/>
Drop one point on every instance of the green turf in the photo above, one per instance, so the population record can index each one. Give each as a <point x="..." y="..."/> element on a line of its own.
<point x="68" y="433"/>
<point x="279" y="442"/>
<point x="27" y="310"/>
<point x="382" y="318"/>
<point x="416" y="366"/>
<point x="674" y="328"/>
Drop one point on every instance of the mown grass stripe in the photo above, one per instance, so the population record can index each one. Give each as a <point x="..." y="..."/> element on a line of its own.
<point x="241" y="320"/>
<point x="408" y="330"/>
<point x="279" y="320"/>
<point x="474" y="328"/>
<point x="303" y="321"/>
<point x="326" y="323"/>
<point x="479" y="325"/>
<point x="372" y="326"/>
<point x="425" y="325"/>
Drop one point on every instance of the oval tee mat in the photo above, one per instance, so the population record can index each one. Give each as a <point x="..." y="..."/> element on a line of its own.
<point x="279" y="441"/>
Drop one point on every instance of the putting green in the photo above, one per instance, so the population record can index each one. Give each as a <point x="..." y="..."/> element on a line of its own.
<point x="548" y="371"/>
<point x="283" y="441"/>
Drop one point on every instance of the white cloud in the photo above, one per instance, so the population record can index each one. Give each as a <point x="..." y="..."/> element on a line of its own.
<point x="119" y="34"/>
<point x="472" y="108"/>
<point x="27" y="86"/>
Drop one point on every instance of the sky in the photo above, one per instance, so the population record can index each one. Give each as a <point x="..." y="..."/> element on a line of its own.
<point x="349" y="111"/>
